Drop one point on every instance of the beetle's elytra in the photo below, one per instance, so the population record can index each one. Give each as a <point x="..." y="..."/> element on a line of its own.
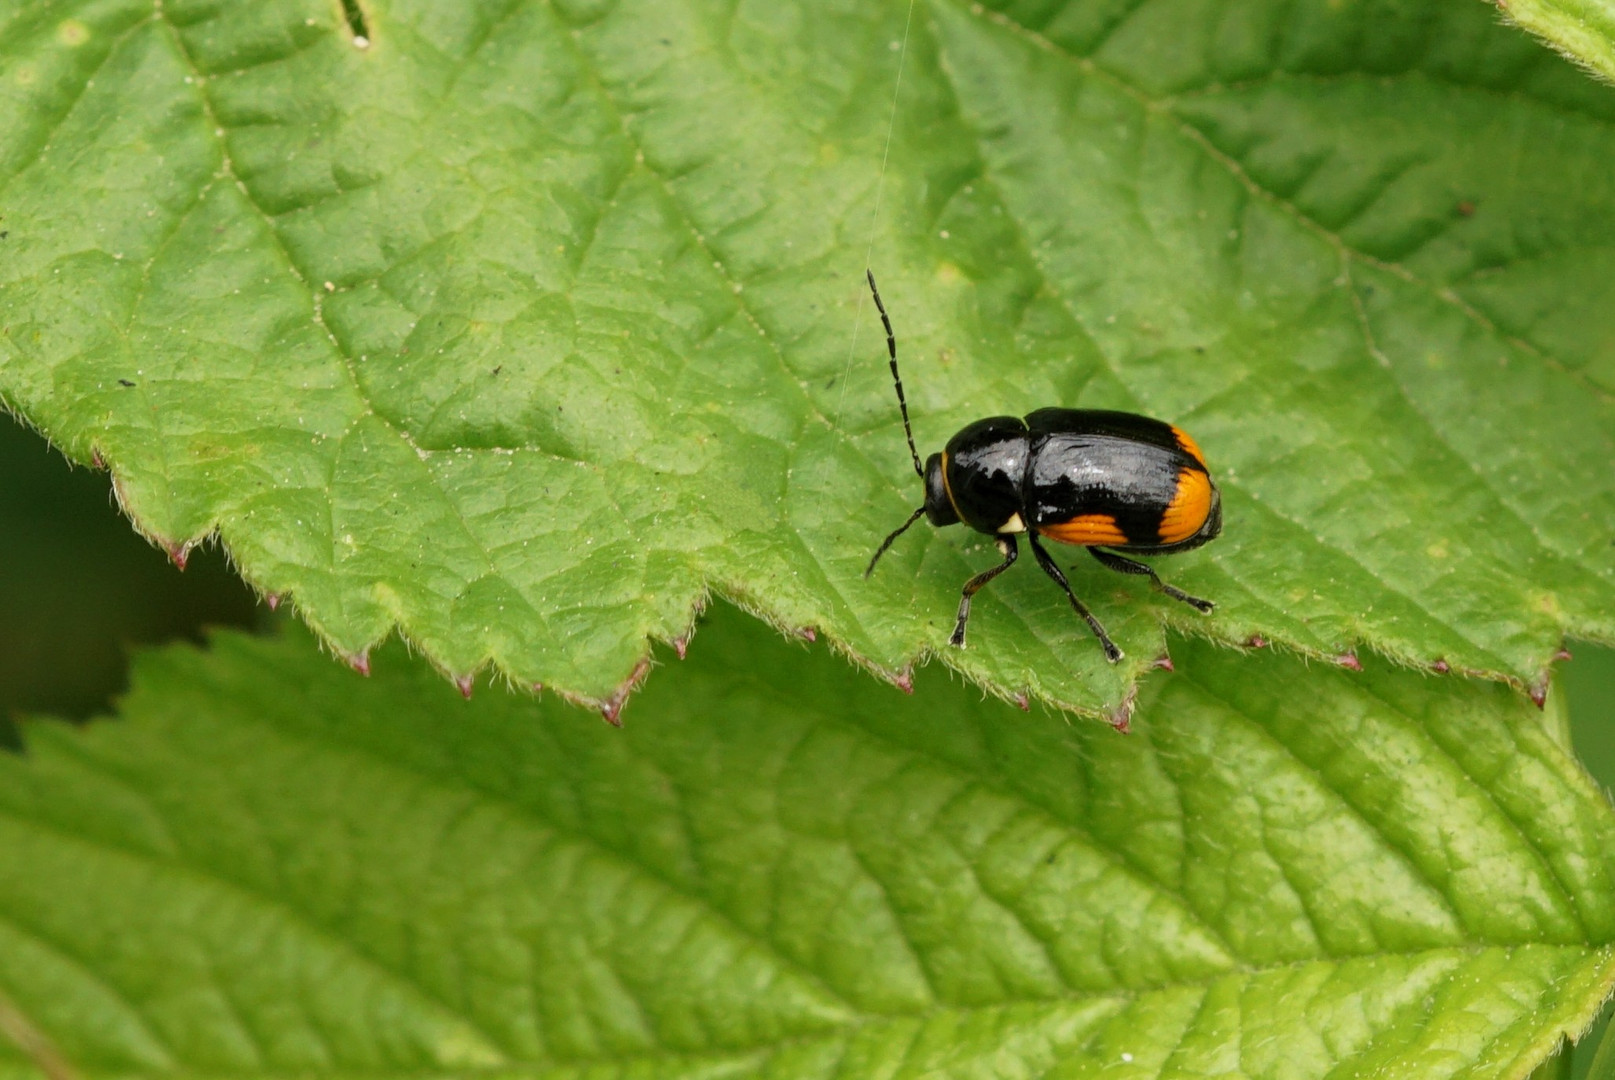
<point x="1089" y="477"/>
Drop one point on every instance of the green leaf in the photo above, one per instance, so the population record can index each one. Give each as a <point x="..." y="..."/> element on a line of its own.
<point x="268" y="867"/>
<point x="528" y="326"/>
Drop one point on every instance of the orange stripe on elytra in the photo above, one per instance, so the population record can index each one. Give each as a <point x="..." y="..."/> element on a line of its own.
<point x="1190" y="505"/>
<point x="1087" y="529"/>
<point x="1189" y="446"/>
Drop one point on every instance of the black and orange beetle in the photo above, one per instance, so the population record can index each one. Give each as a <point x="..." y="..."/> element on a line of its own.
<point x="1089" y="477"/>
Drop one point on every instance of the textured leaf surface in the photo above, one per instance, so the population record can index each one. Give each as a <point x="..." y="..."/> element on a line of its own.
<point x="271" y="868"/>
<point x="530" y="324"/>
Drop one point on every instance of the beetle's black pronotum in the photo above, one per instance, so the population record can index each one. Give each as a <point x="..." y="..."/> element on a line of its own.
<point x="1090" y="477"/>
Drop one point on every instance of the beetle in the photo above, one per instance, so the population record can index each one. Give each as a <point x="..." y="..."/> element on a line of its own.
<point x="1108" y="481"/>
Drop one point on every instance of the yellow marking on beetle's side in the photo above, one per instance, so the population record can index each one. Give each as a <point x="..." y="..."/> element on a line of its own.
<point x="947" y="488"/>
<point x="1189" y="508"/>
<point x="1189" y="446"/>
<point x="1013" y="525"/>
<point x="1089" y="530"/>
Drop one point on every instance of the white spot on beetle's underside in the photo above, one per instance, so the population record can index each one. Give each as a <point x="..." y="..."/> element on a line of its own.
<point x="1013" y="525"/>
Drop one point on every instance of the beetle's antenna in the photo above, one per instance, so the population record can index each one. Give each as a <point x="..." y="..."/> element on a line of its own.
<point x="902" y="402"/>
<point x="886" y="543"/>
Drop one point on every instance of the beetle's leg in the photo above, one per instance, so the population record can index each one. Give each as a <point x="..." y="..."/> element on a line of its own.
<point x="1010" y="551"/>
<point x="1112" y="653"/>
<point x="1117" y="563"/>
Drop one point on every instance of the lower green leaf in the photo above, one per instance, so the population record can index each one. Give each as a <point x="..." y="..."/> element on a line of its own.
<point x="271" y="866"/>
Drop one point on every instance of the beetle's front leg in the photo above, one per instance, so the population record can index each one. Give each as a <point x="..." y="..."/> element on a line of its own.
<point x="1010" y="551"/>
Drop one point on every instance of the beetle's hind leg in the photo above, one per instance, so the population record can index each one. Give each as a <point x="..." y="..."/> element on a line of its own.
<point x="1112" y="653"/>
<point x="1010" y="551"/>
<point x="1112" y="561"/>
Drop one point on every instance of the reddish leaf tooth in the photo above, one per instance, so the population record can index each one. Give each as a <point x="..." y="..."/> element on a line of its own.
<point x="1122" y="718"/>
<point x="611" y="708"/>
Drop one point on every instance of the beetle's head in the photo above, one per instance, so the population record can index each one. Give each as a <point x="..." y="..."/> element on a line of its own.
<point x="939" y="509"/>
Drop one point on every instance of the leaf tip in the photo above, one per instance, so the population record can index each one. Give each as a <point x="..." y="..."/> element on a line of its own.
<point x="1563" y="655"/>
<point x="904" y="681"/>
<point x="1122" y="717"/>
<point x="1349" y="661"/>
<point x="359" y="661"/>
<point x="1440" y="666"/>
<point x="1256" y="641"/>
<point x="466" y="683"/>
<point x="1162" y="663"/>
<point x="1539" y="693"/>
<point x="809" y="634"/>
<point x="612" y="707"/>
<point x="178" y="553"/>
<point x="273" y="600"/>
<point x="681" y="645"/>
<point x="1023" y="701"/>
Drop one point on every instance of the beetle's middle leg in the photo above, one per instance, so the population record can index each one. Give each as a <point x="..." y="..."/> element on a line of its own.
<point x="1112" y="653"/>
<point x="1010" y="551"/>
<point x="1122" y="565"/>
